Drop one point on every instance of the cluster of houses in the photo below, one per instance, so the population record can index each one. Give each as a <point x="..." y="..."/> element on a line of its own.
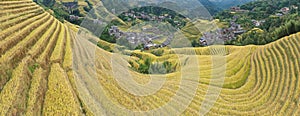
<point x="238" y="9"/>
<point x="137" y="38"/>
<point x="74" y="17"/>
<point x="131" y="15"/>
<point x="142" y="15"/>
<point x="235" y="29"/>
<point x="286" y="10"/>
<point x="258" y="23"/>
<point x="225" y="34"/>
<point x="283" y="11"/>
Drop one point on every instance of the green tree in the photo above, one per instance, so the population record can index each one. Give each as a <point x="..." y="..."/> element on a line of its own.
<point x="48" y="3"/>
<point x="195" y="43"/>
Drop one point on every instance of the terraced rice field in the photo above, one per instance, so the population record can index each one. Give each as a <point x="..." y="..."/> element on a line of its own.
<point x="259" y="80"/>
<point x="36" y="74"/>
<point x="35" y="59"/>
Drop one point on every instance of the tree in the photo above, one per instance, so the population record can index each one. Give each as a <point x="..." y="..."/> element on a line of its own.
<point x="48" y="3"/>
<point x="290" y="27"/>
<point x="168" y="66"/>
<point x="297" y="26"/>
<point x="144" y="67"/>
<point x="195" y="43"/>
<point x="263" y="42"/>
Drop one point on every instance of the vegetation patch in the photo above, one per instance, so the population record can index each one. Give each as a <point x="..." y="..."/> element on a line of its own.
<point x="33" y="67"/>
<point x="158" y="52"/>
<point x="149" y="66"/>
<point x="274" y="19"/>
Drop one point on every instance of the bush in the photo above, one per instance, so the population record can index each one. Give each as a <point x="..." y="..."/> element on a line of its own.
<point x="158" y="52"/>
<point x="105" y="47"/>
<point x="148" y="66"/>
<point x="33" y="67"/>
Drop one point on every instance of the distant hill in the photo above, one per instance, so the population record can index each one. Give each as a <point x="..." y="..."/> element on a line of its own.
<point x="211" y="7"/>
<point x="215" y="6"/>
<point x="225" y="4"/>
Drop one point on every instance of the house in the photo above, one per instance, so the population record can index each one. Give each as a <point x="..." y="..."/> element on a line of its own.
<point x="114" y="30"/>
<point x="238" y="32"/>
<point x="238" y="9"/>
<point x="73" y="17"/>
<point x="285" y="10"/>
<point x="130" y="14"/>
<point x="279" y="14"/>
<point x="294" y="7"/>
<point x="161" y="17"/>
<point x="203" y="41"/>
<point x="149" y="46"/>
<point x="138" y="17"/>
<point x="234" y="9"/>
<point x="256" y="23"/>
<point x="126" y="14"/>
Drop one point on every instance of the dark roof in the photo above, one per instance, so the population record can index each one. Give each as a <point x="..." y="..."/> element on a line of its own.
<point x="70" y="4"/>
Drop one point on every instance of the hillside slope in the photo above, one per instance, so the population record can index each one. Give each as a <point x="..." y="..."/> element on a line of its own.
<point x="36" y="74"/>
<point x="36" y="56"/>
<point x="259" y="80"/>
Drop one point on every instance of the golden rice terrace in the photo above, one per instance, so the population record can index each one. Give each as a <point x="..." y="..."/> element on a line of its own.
<point x="36" y="75"/>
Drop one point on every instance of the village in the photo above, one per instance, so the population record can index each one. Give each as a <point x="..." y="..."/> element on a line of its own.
<point x="132" y="15"/>
<point x="234" y="29"/>
<point x="225" y="34"/>
<point x="145" y="38"/>
<point x="142" y="15"/>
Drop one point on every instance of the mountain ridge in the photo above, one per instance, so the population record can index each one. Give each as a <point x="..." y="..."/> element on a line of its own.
<point x="225" y="4"/>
